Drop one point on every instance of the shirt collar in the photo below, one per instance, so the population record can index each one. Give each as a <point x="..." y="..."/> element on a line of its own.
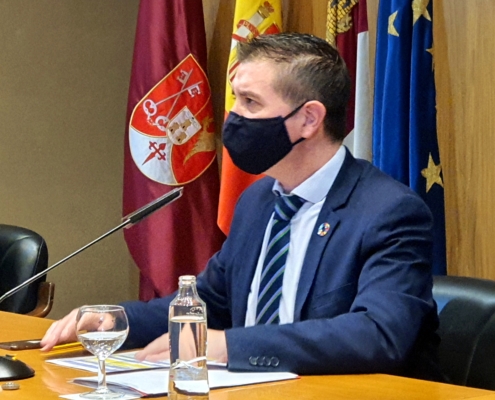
<point x="316" y="187"/>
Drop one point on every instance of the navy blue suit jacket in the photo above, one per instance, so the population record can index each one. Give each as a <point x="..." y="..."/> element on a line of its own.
<point x="364" y="302"/>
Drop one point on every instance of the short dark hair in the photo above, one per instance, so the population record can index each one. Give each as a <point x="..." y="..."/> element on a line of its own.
<point x="310" y="69"/>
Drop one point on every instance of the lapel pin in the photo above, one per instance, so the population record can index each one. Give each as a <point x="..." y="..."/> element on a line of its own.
<point x="323" y="229"/>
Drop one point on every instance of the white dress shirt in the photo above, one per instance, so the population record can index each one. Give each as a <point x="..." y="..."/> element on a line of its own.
<point x="314" y="191"/>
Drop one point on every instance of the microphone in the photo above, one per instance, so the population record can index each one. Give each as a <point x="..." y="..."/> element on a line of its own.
<point x="128" y="221"/>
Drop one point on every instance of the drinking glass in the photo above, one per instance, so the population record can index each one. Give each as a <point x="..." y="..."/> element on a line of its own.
<point x="102" y="329"/>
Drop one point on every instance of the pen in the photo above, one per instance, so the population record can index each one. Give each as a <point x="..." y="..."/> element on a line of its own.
<point x="67" y="346"/>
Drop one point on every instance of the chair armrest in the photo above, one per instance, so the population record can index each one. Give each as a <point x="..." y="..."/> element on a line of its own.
<point x="46" y="292"/>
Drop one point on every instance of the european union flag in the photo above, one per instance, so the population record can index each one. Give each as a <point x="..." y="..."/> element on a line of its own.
<point x="405" y="142"/>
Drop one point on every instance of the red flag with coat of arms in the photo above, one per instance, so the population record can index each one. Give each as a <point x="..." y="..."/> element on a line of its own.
<point x="170" y="142"/>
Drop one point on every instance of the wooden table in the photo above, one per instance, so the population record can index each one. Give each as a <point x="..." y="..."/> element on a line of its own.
<point x="50" y="380"/>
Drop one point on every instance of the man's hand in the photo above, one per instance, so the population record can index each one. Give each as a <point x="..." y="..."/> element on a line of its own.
<point x="159" y="349"/>
<point x="60" y="331"/>
<point x="64" y="330"/>
<point x="217" y="346"/>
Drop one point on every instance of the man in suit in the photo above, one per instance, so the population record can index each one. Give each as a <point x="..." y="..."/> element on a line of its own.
<point x="353" y="291"/>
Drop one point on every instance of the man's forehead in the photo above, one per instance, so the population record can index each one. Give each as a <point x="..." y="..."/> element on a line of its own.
<point x="258" y="63"/>
<point x="253" y="72"/>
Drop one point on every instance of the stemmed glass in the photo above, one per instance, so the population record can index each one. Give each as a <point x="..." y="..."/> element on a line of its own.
<point x="102" y="329"/>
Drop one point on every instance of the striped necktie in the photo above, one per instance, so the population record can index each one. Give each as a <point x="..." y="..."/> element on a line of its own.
<point x="272" y="275"/>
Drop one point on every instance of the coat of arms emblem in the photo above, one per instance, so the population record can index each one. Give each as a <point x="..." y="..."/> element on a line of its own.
<point x="171" y="134"/>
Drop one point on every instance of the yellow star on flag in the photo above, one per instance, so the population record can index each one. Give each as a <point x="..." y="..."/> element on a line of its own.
<point x="420" y="9"/>
<point x="391" y="27"/>
<point x="432" y="174"/>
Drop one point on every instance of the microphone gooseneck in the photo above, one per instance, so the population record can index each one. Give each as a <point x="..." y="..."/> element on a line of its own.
<point x="130" y="220"/>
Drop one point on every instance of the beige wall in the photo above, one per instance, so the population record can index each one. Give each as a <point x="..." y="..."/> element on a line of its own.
<point x="64" y="73"/>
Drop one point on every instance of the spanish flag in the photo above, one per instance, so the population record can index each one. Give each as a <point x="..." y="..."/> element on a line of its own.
<point x="251" y="19"/>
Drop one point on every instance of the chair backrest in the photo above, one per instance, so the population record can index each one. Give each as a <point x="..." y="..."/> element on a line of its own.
<point x="23" y="253"/>
<point x="466" y="309"/>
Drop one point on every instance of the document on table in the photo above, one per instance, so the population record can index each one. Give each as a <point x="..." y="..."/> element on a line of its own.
<point x="155" y="382"/>
<point x="118" y="362"/>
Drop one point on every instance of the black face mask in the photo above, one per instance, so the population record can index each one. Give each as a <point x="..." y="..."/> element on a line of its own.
<point x="257" y="144"/>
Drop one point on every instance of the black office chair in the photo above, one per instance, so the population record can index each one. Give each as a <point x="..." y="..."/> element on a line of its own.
<point x="23" y="253"/>
<point x="466" y="308"/>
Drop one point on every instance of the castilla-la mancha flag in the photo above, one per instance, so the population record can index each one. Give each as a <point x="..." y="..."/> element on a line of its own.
<point x="252" y="18"/>
<point x="170" y="142"/>
<point x="347" y="29"/>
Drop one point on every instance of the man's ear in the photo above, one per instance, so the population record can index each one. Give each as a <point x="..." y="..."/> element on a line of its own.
<point x="314" y="113"/>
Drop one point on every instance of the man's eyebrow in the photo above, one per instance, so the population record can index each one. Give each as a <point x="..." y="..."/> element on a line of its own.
<point x="247" y="93"/>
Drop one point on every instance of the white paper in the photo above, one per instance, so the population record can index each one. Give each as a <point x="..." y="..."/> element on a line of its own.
<point x="118" y="362"/>
<point x="155" y="382"/>
<point x="77" y="397"/>
<point x="192" y="386"/>
<point x="115" y="363"/>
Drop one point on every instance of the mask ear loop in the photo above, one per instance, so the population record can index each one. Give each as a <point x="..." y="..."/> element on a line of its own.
<point x="298" y="141"/>
<point x="294" y="111"/>
<point x="291" y="114"/>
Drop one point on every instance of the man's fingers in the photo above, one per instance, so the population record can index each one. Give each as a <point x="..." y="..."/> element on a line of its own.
<point x="50" y="338"/>
<point x="69" y="333"/>
<point x="164" y="355"/>
<point x="108" y="323"/>
<point x="92" y="322"/>
<point x="60" y="331"/>
<point x="157" y="348"/>
<point x="148" y="352"/>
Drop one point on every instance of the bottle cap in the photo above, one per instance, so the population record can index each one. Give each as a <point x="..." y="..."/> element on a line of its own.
<point x="187" y="280"/>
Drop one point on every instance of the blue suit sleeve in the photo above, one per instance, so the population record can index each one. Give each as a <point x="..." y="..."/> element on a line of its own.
<point x="149" y="320"/>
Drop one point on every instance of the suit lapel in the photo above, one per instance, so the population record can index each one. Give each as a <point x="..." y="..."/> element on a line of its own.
<point x="337" y="196"/>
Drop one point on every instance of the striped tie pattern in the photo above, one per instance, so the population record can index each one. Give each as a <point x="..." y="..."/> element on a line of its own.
<point x="272" y="275"/>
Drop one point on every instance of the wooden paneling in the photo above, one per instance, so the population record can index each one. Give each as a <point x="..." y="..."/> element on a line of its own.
<point x="310" y="17"/>
<point x="372" y="22"/>
<point x="307" y="17"/>
<point x="464" y="46"/>
<point x="218" y="57"/>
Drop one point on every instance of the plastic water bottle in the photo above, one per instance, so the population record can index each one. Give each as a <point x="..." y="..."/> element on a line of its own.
<point x="188" y="376"/>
